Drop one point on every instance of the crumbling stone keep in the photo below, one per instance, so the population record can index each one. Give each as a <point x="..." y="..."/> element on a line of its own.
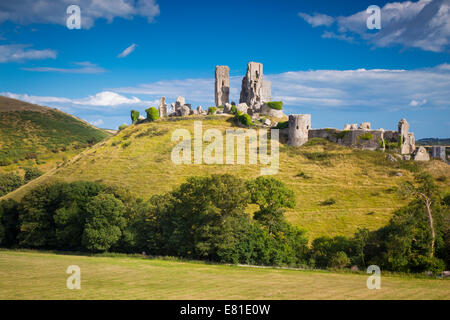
<point x="222" y="87"/>
<point x="255" y="90"/>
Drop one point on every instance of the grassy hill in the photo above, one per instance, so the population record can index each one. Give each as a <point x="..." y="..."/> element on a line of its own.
<point x="338" y="189"/>
<point x="36" y="275"/>
<point x="32" y="135"/>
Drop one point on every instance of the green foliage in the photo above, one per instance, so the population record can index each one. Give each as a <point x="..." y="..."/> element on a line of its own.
<point x="212" y="110"/>
<point x="282" y="125"/>
<point x="365" y="136"/>
<point x="9" y="223"/>
<point x="277" y="105"/>
<point x="31" y="173"/>
<point x="233" y="110"/>
<point x="272" y="196"/>
<point x="244" y="119"/>
<point x="342" y="135"/>
<point x="152" y="114"/>
<point x="339" y="260"/>
<point x="134" y="115"/>
<point x="5" y="162"/>
<point x="104" y="222"/>
<point x="9" y="182"/>
<point x="122" y="127"/>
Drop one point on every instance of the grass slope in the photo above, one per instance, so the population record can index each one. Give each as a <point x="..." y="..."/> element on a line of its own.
<point x="35" y="275"/>
<point x="36" y="135"/>
<point x="362" y="183"/>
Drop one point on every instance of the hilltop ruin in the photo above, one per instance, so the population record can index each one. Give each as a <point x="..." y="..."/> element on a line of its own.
<point x="255" y="100"/>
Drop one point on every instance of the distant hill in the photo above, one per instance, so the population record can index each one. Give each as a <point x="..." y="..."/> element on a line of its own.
<point x="32" y="132"/>
<point x="338" y="189"/>
<point x="433" y="142"/>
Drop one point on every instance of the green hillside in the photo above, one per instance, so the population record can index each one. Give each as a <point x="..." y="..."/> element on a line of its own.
<point x="338" y="189"/>
<point x="34" y="135"/>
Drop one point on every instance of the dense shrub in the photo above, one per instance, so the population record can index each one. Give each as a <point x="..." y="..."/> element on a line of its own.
<point x="122" y="127"/>
<point x="212" y="110"/>
<point x="152" y="114"/>
<point x="244" y="119"/>
<point x="277" y="105"/>
<point x="9" y="182"/>
<point x="31" y="173"/>
<point x="5" y="162"/>
<point x="339" y="260"/>
<point x="282" y="125"/>
<point x="233" y="109"/>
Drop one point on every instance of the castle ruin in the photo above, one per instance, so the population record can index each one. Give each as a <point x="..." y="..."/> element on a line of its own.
<point x="256" y="93"/>
<point x="222" y="85"/>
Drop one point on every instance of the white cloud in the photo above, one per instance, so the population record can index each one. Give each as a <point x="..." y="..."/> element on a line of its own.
<point x="127" y="51"/>
<point x="415" y="103"/>
<point x="424" y="24"/>
<point x="332" y="35"/>
<point x="103" y="99"/>
<point x="317" y="19"/>
<point x="106" y="98"/>
<point x="83" y="67"/>
<point x="20" y="53"/>
<point x="97" y="122"/>
<point x="360" y="89"/>
<point x="54" y="11"/>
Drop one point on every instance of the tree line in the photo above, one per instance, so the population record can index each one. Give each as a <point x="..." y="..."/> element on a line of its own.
<point x="214" y="219"/>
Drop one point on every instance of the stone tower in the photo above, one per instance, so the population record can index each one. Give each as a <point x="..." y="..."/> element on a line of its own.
<point x="222" y="89"/>
<point x="255" y="90"/>
<point x="299" y="125"/>
<point x="163" y="110"/>
<point x="408" y="143"/>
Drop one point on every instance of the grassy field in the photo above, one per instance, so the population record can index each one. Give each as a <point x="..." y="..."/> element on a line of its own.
<point x="362" y="183"/>
<point x="36" y="275"/>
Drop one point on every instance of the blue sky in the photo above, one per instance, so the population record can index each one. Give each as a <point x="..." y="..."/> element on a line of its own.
<point x="319" y="55"/>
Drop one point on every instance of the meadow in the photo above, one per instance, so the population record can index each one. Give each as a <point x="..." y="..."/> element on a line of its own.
<point x="337" y="189"/>
<point x="41" y="275"/>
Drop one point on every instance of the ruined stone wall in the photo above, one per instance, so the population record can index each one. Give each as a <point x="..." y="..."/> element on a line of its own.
<point x="360" y="138"/>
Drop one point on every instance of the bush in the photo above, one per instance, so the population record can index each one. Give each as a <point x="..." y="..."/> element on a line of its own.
<point x="339" y="260"/>
<point x="122" y="127"/>
<point x="277" y="105"/>
<point x="212" y="110"/>
<point x="31" y="173"/>
<point x="152" y="114"/>
<point x="282" y="125"/>
<point x="134" y="115"/>
<point x="9" y="182"/>
<point x="365" y="136"/>
<point x="233" y="109"/>
<point x="328" y="202"/>
<point x="5" y="162"/>
<point x="244" y="119"/>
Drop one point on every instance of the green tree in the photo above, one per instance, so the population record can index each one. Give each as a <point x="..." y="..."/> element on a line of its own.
<point x="272" y="196"/>
<point x="152" y="114"/>
<point x="9" y="222"/>
<point x="104" y="223"/>
<point x="426" y="191"/>
<point x="134" y="115"/>
<point x="339" y="260"/>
